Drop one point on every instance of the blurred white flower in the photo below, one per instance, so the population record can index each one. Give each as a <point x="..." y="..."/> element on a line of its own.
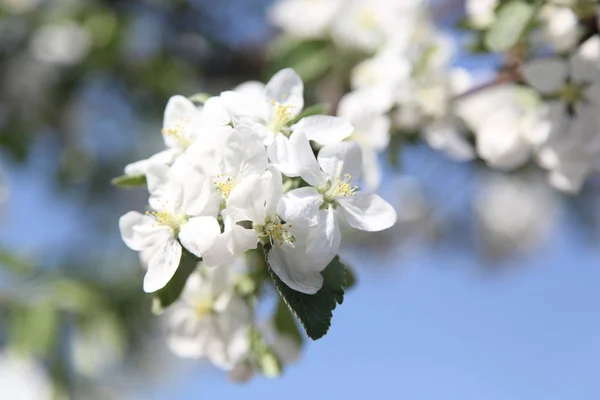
<point x="210" y="320"/>
<point x="304" y="18"/>
<point x="559" y="26"/>
<point x="368" y="24"/>
<point x="371" y="130"/>
<point x="503" y="119"/>
<point x="481" y="12"/>
<point x="515" y="213"/>
<point x="23" y="379"/>
<point x="573" y="89"/>
<point x="61" y="44"/>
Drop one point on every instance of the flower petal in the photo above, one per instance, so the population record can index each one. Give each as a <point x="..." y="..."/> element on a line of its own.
<point x="290" y="263"/>
<point x="243" y="105"/>
<point x="342" y="158"/>
<point x="300" y="205"/>
<point x="545" y="75"/>
<point x="179" y="110"/>
<point x="199" y="234"/>
<point x="304" y="160"/>
<point x="324" y="129"/>
<point x="324" y="239"/>
<point x="214" y="113"/>
<point x="140" y="231"/>
<point x="162" y="266"/>
<point x="280" y="156"/>
<point x="286" y="88"/>
<point x="367" y="212"/>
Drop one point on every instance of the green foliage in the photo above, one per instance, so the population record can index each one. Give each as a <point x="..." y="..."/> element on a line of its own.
<point x="34" y="328"/>
<point x="315" y="311"/>
<point x="285" y="323"/>
<point x="263" y="356"/>
<point x="127" y="181"/>
<point x="171" y="292"/>
<point x="350" y="278"/>
<point x="311" y="59"/>
<point x="512" y="19"/>
<point x="199" y="98"/>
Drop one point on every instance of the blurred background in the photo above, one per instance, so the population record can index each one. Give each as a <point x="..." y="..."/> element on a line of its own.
<point x="487" y="288"/>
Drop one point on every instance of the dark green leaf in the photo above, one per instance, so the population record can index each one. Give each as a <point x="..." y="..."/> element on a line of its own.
<point x="512" y="19"/>
<point x="285" y="323"/>
<point x="127" y="181"/>
<point x="171" y="292"/>
<point x="350" y="278"/>
<point x="315" y="311"/>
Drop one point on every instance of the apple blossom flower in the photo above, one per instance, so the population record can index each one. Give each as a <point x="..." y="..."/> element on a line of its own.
<point x="210" y="319"/>
<point x="184" y="212"/>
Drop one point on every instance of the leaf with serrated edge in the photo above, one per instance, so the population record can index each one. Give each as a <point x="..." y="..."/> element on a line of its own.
<point x="315" y="311"/>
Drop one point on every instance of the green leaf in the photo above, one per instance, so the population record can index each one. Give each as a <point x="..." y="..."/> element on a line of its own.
<point x="285" y="323"/>
<point x="315" y="311"/>
<point x="34" y="329"/>
<point x="350" y="278"/>
<point x="129" y="181"/>
<point x="171" y="292"/>
<point x="512" y="19"/>
<point x="315" y="109"/>
<point x="200" y="98"/>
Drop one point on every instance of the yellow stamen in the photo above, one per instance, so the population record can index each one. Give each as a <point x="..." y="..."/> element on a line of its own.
<point x="281" y="116"/>
<point x="178" y="131"/>
<point x="203" y="307"/>
<point x="224" y="184"/>
<point x="341" y="188"/>
<point x="275" y="231"/>
<point x="166" y="219"/>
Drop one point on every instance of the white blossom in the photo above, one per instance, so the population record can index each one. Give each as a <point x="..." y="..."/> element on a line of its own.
<point x="210" y="320"/>
<point x="304" y="18"/>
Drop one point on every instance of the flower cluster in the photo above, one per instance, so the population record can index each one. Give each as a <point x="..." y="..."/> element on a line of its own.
<point x="244" y="171"/>
<point x="539" y="107"/>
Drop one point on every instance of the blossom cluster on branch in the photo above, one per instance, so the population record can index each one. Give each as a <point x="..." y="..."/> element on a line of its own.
<point x="248" y="173"/>
<point x="542" y="105"/>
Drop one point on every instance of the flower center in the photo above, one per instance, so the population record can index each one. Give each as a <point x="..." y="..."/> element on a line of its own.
<point x="179" y="132"/>
<point x="281" y="116"/>
<point x="203" y="307"/>
<point x="274" y="231"/>
<point x="366" y="18"/>
<point x="224" y="184"/>
<point x="166" y="219"/>
<point x="571" y="93"/>
<point x="340" y="188"/>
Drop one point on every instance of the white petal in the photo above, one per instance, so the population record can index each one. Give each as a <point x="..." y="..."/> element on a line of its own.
<point x="242" y="105"/>
<point x="157" y="178"/>
<point x="214" y="113"/>
<point x="300" y="205"/>
<point x="244" y="153"/>
<point x="545" y="75"/>
<point x="199" y="195"/>
<point x="371" y="170"/>
<point x="199" y="234"/>
<point x="324" y="129"/>
<point x="140" y="231"/>
<point x="291" y="265"/>
<point x="339" y="159"/>
<point x="162" y="266"/>
<point x="304" y="160"/>
<point x="324" y="239"/>
<point x="179" y="110"/>
<point x="280" y="156"/>
<point x="367" y="212"/>
<point x="585" y="63"/>
<point x="286" y="88"/>
<point x="246" y="201"/>
<point x="253" y="89"/>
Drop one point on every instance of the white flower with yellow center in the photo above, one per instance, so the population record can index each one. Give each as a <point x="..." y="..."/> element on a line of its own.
<point x="255" y="201"/>
<point x="210" y="320"/>
<point x="184" y="213"/>
<point x="269" y="111"/>
<point x="331" y="196"/>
